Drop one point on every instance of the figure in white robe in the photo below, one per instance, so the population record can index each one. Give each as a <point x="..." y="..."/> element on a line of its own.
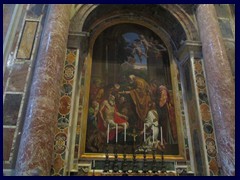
<point x="151" y="122"/>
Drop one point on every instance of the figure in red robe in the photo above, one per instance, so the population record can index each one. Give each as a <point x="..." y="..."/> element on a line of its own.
<point x="165" y="102"/>
<point x="109" y="115"/>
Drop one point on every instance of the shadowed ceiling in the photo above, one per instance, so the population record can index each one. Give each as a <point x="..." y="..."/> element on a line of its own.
<point x="155" y="13"/>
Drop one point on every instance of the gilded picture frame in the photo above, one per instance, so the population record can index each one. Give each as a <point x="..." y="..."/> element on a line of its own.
<point x="108" y="80"/>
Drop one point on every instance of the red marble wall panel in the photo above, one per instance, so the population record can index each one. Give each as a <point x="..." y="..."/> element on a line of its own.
<point x="11" y="108"/>
<point x="8" y="134"/>
<point x="18" y="77"/>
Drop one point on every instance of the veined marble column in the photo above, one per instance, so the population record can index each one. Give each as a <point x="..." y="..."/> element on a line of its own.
<point x="220" y="84"/>
<point x="36" y="146"/>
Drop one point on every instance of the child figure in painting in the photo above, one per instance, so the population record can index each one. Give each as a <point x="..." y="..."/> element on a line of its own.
<point x="151" y="122"/>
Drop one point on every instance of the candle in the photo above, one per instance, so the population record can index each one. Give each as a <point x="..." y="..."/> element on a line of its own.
<point x="144" y="132"/>
<point x="108" y="134"/>
<point x="153" y="133"/>
<point x="161" y="135"/>
<point x="125" y="133"/>
<point x="116" y="133"/>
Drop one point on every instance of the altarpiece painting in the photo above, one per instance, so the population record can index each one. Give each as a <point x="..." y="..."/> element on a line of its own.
<point x="130" y="96"/>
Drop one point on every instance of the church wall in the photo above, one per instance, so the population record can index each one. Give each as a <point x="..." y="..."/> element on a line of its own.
<point x="64" y="114"/>
<point x="192" y="119"/>
<point x="7" y="11"/>
<point x="207" y="128"/>
<point x="17" y="76"/>
<point x="226" y="20"/>
<point x="98" y="163"/>
<point x="17" y="81"/>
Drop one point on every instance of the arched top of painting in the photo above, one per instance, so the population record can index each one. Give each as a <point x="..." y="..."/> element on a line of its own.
<point x="131" y="46"/>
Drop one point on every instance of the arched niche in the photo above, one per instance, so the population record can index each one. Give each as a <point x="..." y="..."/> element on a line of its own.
<point x="165" y="23"/>
<point x="103" y="48"/>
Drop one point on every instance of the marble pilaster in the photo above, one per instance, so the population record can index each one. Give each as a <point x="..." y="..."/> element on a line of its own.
<point x="37" y="140"/>
<point x="220" y="84"/>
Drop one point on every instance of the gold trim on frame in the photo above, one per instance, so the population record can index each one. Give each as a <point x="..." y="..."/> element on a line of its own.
<point x="82" y="154"/>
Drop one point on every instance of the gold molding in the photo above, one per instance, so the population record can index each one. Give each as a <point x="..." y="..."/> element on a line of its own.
<point x="82" y="154"/>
